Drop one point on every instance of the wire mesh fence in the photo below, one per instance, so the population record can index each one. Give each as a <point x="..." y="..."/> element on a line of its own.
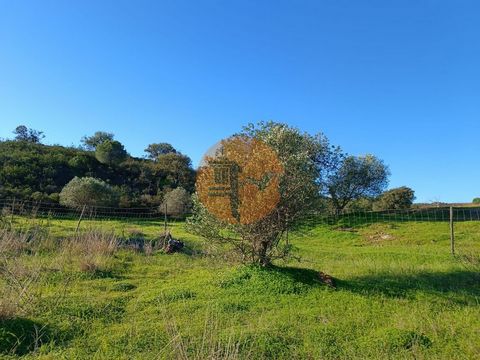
<point x="60" y="221"/>
<point x="132" y="219"/>
<point x="39" y="209"/>
<point x="346" y="218"/>
<point x="426" y="214"/>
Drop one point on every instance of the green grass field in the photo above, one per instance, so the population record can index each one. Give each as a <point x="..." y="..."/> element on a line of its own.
<point x="399" y="295"/>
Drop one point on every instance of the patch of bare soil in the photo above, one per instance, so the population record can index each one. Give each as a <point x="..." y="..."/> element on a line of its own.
<point x="379" y="237"/>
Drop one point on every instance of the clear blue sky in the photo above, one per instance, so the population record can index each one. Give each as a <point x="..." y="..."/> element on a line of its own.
<point x="399" y="79"/>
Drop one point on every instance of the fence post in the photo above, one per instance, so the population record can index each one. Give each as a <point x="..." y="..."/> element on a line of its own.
<point x="79" y="220"/>
<point x="452" y="232"/>
<point x="13" y="210"/>
<point x="165" y="219"/>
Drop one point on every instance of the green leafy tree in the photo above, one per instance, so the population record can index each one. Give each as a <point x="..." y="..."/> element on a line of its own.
<point x="91" y="142"/>
<point x="177" y="202"/>
<point x="22" y="133"/>
<point x="177" y="171"/>
<point x="476" y="201"/>
<point x="356" y="177"/>
<point x="155" y="150"/>
<point x="88" y="191"/>
<point x="110" y="152"/>
<point x="305" y="159"/>
<point x="395" y="199"/>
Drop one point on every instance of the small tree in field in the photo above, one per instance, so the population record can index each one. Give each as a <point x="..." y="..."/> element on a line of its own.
<point x="396" y="199"/>
<point x="88" y="191"/>
<point x="110" y="152"/>
<point x="305" y="159"/>
<point x="357" y="177"/>
<point x="176" y="202"/>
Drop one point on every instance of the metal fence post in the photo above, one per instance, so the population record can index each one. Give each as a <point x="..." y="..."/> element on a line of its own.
<point x="452" y="232"/>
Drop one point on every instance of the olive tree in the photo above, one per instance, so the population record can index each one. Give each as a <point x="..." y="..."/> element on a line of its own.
<point x="305" y="159"/>
<point x="110" y="152"/>
<point x="88" y="191"/>
<point x="176" y="202"/>
<point x="356" y="177"/>
<point x="395" y="199"/>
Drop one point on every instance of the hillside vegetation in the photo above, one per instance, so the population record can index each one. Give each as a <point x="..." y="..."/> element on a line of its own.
<point x="399" y="294"/>
<point x="39" y="172"/>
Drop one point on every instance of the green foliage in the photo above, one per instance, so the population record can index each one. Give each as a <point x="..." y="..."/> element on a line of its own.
<point x="178" y="170"/>
<point x="357" y="177"/>
<point x="89" y="192"/>
<point x="110" y="152"/>
<point x="177" y="202"/>
<point x="476" y="201"/>
<point x="39" y="172"/>
<point x="22" y="133"/>
<point x="155" y="150"/>
<point x="272" y="280"/>
<point x="29" y="167"/>
<point x="361" y="204"/>
<point x="91" y="142"/>
<point x="304" y="158"/>
<point x="395" y="199"/>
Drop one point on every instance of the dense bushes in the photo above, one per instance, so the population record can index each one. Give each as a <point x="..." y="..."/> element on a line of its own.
<point x="33" y="171"/>
<point x="395" y="199"/>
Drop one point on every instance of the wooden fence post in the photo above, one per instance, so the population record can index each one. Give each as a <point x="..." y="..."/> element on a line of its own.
<point x="452" y="232"/>
<point x="165" y="219"/>
<point x="79" y="220"/>
<point x="13" y="210"/>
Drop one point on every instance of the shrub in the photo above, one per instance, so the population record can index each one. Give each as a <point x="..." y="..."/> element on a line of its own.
<point x="476" y="200"/>
<point x="88" y="191"/>
<point x="110" y="152"/>
<point x="176" y="202"/>
<point x="395" y="199"/>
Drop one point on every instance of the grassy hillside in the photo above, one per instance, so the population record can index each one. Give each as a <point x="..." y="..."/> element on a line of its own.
<point x="399" y="294"/>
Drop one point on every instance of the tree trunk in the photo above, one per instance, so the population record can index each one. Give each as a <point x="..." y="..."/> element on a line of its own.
<point x="263" y="258"/>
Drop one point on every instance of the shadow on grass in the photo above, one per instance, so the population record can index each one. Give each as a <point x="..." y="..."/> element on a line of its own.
<point x="273" y="280"/>
<point x="20" y="336"/>
<point x="300" y="275"/>
<point x="461" y="287"/>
